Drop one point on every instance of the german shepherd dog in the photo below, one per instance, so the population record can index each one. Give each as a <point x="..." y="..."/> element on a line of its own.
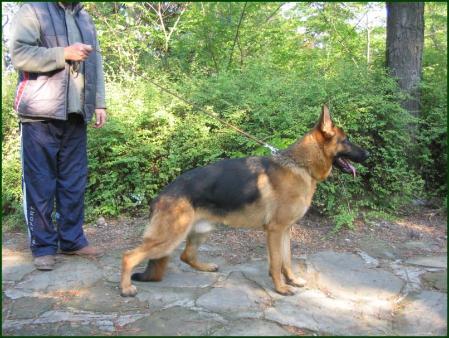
<point x="261" y="192"/>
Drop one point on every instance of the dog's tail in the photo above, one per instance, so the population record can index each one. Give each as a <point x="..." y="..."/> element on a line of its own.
<point x="154" y="272"/>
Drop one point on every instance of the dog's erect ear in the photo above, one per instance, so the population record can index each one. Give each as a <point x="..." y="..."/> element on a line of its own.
<point x="325" y="125"/>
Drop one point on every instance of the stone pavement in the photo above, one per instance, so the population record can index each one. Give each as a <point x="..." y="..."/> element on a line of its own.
<point x="347" y="294"/>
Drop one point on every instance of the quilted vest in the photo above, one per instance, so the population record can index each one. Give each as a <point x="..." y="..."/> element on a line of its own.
<point x="45" y="94"/>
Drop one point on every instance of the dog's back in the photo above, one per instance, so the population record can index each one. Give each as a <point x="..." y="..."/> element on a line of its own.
<point x="222" y="187"/>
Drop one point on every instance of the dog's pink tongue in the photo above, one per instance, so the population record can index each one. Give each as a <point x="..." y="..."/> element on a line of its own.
<point x="351" y="167"/>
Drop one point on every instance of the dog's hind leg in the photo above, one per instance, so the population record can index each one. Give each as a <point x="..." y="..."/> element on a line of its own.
<point x="154" y="271"/>
<point x="190" y="254"/>
<point x="287" y="261"/>
<point x="150" y="249"/>
<point x="169" y="225"/>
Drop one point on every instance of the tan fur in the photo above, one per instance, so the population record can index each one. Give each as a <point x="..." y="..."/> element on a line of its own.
<point x="155" y="269"/>
<point x="189" y="255"/>
<point x="285" y="197"/>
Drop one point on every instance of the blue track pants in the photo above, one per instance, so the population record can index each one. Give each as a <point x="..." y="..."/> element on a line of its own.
<point x="54" y="173"/>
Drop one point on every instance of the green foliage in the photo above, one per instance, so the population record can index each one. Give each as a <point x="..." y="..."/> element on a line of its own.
<point x="432" y="136"/>
<point x="145" y="145"/>
<point x="376" y="215"/>
<point x="269" y="76"/>
<point x="11" y="168"/>
<point x="344" y="218"/>
<point x="279" y="106"/>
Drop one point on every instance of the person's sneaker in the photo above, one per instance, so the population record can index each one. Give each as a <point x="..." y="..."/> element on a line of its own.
<point x="87" y="251"/>
<point x="44" y="263"/>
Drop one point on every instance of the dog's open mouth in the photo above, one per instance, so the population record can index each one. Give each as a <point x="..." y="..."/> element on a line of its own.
<point x="345" y="165"/>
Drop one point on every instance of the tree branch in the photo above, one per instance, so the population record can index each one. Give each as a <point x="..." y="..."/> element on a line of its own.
<point x="172" y="29"/>
<point x="340" y="38"/>
<point x="260" y="25"/>
<point x="236" y="35"/>
<point x="209" y="44"/>
<point x="160" y="13"/>
<point x="274" y="12"/>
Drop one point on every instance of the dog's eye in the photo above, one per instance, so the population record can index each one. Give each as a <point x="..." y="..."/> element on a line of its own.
<point x="345" y="141"/>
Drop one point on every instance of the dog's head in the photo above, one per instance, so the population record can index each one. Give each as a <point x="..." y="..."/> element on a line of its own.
<point x="336" y="145"/>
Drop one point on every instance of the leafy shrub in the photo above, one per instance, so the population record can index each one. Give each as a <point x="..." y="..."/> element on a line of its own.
<point x="271" y="81"/>
<point x="146" y="143"/>
<point x="432" y="130"/>
<point x="11" y="167"/>
<point x="278" y="107"/>
<point x="151" y="138"/>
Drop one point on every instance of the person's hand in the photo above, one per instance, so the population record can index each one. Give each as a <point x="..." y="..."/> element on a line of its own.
<point x="77" y="52"/>
<point x="100" y="115"/>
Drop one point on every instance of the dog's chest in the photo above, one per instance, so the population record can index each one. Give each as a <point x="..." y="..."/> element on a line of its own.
<point x="295" y="198"/>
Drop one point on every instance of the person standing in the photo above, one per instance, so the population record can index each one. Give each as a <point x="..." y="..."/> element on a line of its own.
<point x="61" y="87"/>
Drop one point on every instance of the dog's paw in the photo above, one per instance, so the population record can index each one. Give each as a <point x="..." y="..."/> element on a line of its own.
<point x="285" y="290"/>
<point x="205" y="267"/>
<point x="210" y="267"/>
<point x="297" y="282"/>
<point x="130" y="291"/>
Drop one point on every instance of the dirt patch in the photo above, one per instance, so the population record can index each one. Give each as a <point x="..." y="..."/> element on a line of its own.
<point x="315" y="233"/>
<point x="422" y="231"/>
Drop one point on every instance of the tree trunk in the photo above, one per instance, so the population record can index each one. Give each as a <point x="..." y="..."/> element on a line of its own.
<point x="405" y="41"/>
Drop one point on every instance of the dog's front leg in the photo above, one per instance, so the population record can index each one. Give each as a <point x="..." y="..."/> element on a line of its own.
<point x="274" y="239"/>
<point x="287" y="260"/>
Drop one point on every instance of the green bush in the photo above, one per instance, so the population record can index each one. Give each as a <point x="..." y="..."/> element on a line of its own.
<point x="270" y="80"/>
<point x="152" y="137"/>
<point x="430" y="157"/>
<point x="11" y="167"/>
<point x="432" y="130"/>
<point x="146" y="143"/>
<point x="280" y="106"/>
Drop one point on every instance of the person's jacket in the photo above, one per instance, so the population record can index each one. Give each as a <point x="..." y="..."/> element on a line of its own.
<point x="37" y="52"/>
